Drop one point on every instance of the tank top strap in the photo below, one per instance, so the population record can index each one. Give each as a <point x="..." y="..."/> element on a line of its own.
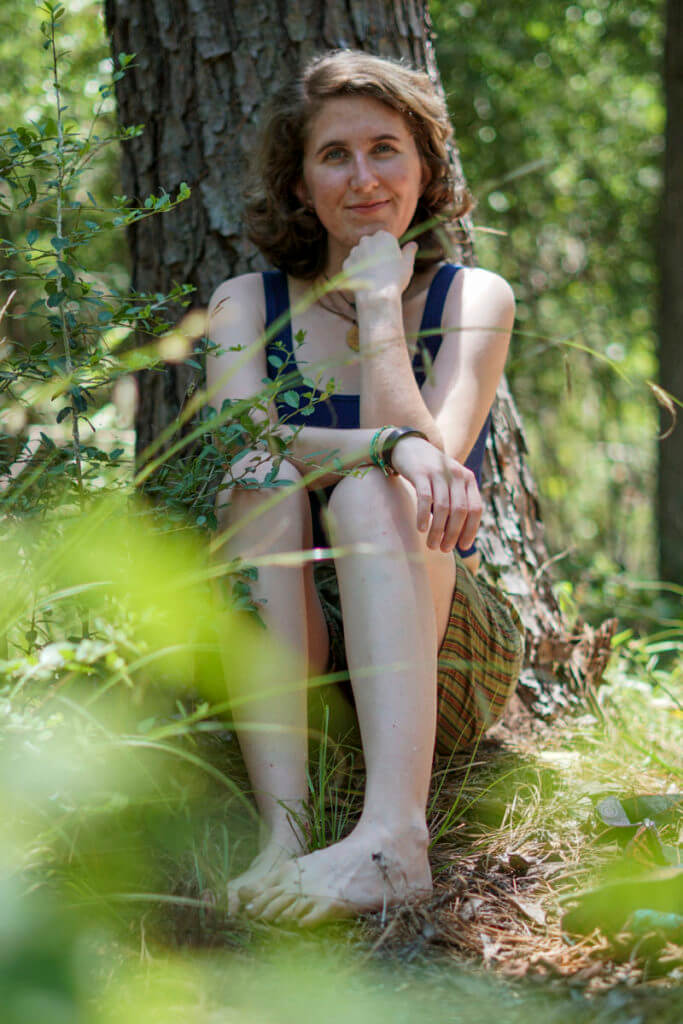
<point x="276" y="295"/>
<point x="430" y="326"/>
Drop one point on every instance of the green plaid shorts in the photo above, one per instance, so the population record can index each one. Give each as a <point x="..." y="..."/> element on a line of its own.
<point x="479" y="661"/>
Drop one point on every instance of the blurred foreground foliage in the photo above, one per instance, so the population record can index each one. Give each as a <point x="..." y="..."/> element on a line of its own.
<point x="123" y="797"/>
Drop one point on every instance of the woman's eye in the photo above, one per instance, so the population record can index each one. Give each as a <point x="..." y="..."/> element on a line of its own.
<point x="334" y="154"/>
<point x="384" y="147"/>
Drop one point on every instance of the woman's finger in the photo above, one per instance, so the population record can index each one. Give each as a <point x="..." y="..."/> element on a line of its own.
<point x="474" y="510"/>
<point x="441" y="507"/>
<point x="457" y="514"/>
<point x="424" y="502"/>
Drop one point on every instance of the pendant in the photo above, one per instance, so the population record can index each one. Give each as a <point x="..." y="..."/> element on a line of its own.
<point x="352" y="338"/>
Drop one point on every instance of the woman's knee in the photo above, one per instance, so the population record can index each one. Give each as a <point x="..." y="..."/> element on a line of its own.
<point x="364" y="507"/>
<point x="265" y="480"/>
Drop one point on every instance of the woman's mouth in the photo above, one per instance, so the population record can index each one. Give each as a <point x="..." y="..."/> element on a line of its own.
<point x="369" y="207"/>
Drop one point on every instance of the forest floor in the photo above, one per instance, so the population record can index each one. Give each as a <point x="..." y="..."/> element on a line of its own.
<point x="517" y="843"/>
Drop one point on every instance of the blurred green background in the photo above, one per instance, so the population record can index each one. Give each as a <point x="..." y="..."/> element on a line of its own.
<point x="559" y="119"/>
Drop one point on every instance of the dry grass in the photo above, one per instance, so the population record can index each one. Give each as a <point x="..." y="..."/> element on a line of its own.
<point x="516" y="836"/>
<point x="523" y="839"/>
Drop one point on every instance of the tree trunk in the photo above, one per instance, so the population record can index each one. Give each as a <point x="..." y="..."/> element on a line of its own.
<point x="203" y="71"/>
<point x="670" y="477"/>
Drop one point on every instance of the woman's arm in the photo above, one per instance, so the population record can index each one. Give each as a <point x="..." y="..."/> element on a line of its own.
<point x="389" y="392"/>
<point x="477" y="321"/>
<point x="236" y="320"/>
<point x="453" y="404"/>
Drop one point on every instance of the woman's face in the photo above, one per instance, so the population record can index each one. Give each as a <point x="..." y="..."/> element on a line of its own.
<point x="362" y="172"/>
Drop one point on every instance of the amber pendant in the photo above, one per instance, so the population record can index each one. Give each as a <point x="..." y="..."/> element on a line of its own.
<point x="352" y="338"/>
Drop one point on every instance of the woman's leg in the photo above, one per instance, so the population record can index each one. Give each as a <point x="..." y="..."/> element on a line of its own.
<point x="395" y="604"/>
<point x="272" y="728"/>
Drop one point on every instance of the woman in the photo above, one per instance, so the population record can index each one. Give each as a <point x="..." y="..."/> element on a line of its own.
<point x="353" y="156"/>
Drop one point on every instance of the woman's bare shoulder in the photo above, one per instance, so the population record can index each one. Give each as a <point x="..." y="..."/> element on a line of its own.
<point x="482" y="302"/>
<point x="244" y="292"/>
<point x="477" y="283"/>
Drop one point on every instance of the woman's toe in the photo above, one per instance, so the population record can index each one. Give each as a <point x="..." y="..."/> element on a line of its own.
<point x="258" y="904"/>
<point x="234" y="902"/>
<point x="302" y="905"/>
<point x="317" y="913"/>
<point x="245" y="893"/>
<point x="278" y="906"/>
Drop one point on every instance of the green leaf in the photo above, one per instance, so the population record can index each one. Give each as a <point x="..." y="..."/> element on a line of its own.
<point x="66" y="270"/>
<point x="63" y="413"/>
<point x="291" y="398"/>
<point x="79" y="399"/>
<point x="32" y="236"/>
<point x="59" y="243"/>
<point x="274" y="360"/>
<point x="55" y="299"/>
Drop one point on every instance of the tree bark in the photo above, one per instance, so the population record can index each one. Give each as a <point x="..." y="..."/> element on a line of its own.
<point x="203" y="72"/>
<point x="670" y="475"/>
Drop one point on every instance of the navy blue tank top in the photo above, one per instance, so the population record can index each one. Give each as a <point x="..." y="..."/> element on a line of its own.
<point x="301" y="404"/>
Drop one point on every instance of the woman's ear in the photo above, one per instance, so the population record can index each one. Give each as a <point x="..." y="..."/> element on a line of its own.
<point x="302" y="193"/>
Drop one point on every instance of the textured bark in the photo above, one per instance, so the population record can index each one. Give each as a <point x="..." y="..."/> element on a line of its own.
<point x="670" y="478"/>
<point x="204" y="69"/>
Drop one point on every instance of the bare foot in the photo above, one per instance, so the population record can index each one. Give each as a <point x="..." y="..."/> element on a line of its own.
<point x="368" y="870"/>
<point x="274" y="855"/>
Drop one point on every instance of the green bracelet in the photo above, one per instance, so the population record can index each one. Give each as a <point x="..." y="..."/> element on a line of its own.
<point x="377" y="457"/>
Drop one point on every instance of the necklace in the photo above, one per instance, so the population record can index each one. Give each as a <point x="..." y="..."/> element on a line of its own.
<point x="352" y="335"/>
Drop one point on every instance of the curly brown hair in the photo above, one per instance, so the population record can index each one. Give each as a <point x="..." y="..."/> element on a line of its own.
<point x="289" y="234"/>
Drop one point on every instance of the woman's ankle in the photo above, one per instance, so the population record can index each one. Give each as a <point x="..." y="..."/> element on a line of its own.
<point x="284" y="832"/>
<point x="408" y="829"/>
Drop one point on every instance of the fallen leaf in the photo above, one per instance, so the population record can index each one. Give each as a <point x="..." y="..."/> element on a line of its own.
<point x="516" y="864"/>
<point x="488" y="948"/>
<point x="532" y="910"/>
<point x="469" y="907"/>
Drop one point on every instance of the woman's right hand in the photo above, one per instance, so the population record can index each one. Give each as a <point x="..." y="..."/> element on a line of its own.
<point x="378" y="267"/>
<point x="449" y="505"/>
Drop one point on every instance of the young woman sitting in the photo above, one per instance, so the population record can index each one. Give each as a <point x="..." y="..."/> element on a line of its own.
<point x="353" y="156"/>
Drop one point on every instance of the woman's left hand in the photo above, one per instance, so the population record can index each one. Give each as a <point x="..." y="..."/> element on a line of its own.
<point x="446" y="490"/>
<point x="377" y="266"/>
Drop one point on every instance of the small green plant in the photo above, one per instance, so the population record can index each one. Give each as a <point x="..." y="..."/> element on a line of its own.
<point x="80" y="325"/>
<point x="333" y="795"/>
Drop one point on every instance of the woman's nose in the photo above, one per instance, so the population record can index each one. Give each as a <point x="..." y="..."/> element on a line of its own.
<point x="362" y="175"/>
